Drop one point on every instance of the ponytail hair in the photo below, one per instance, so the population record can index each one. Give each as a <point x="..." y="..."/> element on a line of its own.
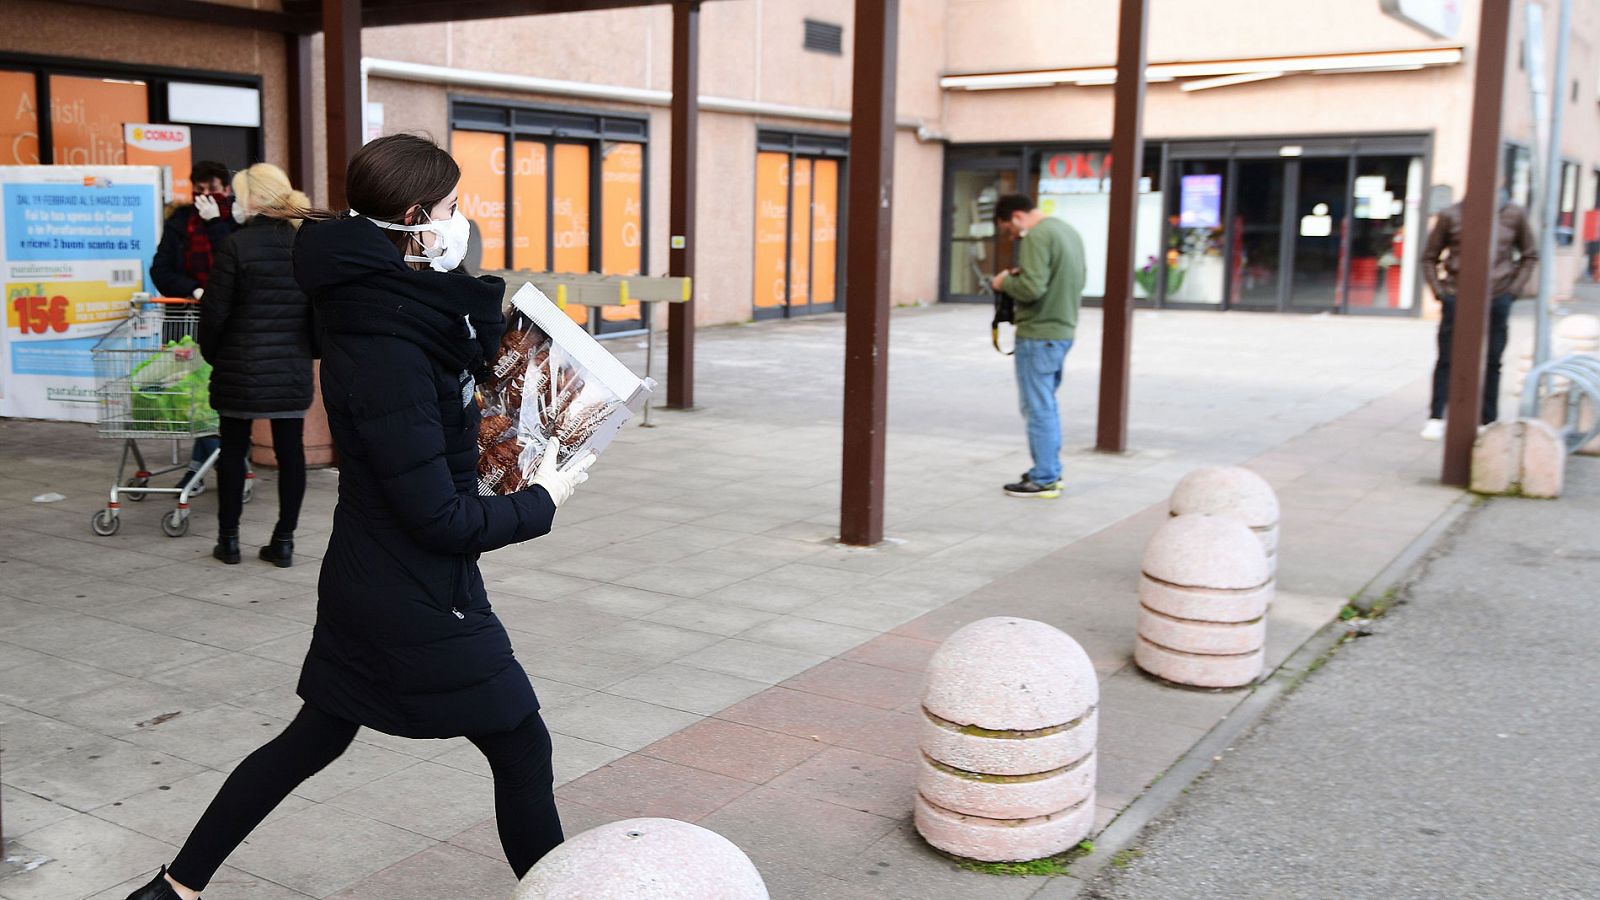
<point x="265" y="190"/>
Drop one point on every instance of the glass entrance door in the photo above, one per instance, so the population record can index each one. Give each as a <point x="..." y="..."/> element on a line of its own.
<point x="1257" y="245"/>
<point x="975" y="255"/>
<point x="1322" y="222"/>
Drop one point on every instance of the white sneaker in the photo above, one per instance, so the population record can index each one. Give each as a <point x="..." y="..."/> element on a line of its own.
<point x="1434" y="430"/>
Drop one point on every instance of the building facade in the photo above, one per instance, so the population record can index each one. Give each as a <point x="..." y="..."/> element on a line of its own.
<point x="1294" y="152"/>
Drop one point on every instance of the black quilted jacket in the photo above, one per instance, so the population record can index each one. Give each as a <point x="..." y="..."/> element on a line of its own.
<point x="255" y="323"/>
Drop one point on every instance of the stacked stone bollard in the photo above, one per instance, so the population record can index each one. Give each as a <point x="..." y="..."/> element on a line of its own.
<point x="1580" y="332"/>
<point x="1008" y="743"/>
<point x="644" y="859"/>
<point x="1521" y="457"/>
<point x="1231" y="491"/>
<point x="1203" y="597"/>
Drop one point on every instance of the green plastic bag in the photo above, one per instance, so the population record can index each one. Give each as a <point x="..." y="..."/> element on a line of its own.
<point x="172" y="389"/>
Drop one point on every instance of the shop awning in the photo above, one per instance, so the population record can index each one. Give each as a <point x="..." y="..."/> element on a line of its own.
<point x="1195" y="75"/>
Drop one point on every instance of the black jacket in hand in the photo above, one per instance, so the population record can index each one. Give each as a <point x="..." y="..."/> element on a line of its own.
<point x="405" y="641"/>
<point x="167" y="270"/>
<point x="255" y="323"/>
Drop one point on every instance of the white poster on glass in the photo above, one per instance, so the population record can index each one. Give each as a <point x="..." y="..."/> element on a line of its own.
<point x="75" y="242"/>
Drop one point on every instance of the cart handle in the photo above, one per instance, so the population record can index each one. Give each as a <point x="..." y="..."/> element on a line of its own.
<point x="170" y="301"/>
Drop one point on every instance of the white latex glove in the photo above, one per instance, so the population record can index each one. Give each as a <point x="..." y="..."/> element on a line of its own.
<point x="199" y="292"/>
<point x="560" y="485"/>
<point x="206" y="206"/>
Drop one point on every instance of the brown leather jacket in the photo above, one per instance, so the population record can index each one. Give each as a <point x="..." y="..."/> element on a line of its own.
<point x="1516" y="253"/>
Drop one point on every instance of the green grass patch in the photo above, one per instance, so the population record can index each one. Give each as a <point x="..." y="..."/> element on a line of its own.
<point x="1125" y="858"/>
<point x="1037" y="868"/>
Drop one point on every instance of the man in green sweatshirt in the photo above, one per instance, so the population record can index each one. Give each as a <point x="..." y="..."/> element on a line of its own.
<point x="1047" y="287"/>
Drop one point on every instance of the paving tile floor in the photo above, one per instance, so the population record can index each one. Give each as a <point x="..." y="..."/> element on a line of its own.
<point x="702" y="647"/>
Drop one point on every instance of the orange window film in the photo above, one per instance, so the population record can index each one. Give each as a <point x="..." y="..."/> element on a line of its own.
<point x="824" y="231"/>
<point x="621" y="219"/>
<point x="800" y="235"/>
<point x="19" y="120"/>
<point x="87" y="115"/>
<point x="530" y="191"/>
<point x="570" y="225"/>
<point x="772" y="226"/>
<point x="481" y="196"/>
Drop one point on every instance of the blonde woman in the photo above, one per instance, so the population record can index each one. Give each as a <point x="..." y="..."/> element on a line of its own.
<point x="255" y="331"/>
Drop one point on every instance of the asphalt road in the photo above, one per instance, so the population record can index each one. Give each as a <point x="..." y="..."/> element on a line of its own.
<point x="1454" y="752"/>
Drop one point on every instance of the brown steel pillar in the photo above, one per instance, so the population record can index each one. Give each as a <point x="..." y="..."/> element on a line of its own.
<point x="685" y="159"/>
<point x="1127" y="154"/>
<point x="1479" y="217"/>
<point x="866" y="335"/>
<point x="341" y="66"/>
<point x="302" y="127"/>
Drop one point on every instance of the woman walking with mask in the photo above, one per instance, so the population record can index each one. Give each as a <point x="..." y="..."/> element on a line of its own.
<point x="405" y="642"/>
<point x="255" y="331"/>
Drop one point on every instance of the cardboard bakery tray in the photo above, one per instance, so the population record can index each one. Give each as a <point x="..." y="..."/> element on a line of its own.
<point x="550" y="380"/>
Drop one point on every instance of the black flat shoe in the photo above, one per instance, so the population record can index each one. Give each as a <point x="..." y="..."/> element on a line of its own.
<point x="157" y="889"/>
<point x="227" y="549"/>
<point x="280" y="552"/>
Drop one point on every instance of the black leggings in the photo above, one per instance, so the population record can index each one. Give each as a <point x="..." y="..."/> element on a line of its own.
<point x="524" y="798"/>
<point x="288" y="445"/>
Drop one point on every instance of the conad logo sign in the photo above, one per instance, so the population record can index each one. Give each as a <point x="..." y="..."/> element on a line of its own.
<point x="159" y="139"/>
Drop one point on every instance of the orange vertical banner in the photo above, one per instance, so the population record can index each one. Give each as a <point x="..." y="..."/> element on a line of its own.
<point x="481" y="196"/>
<point x="772" y="226"/>
<point x="19" y="120"/>
<point x="167" y="146"/>
<point x="570" y="224"/>
<point x="825" y="231"/>
<point x="800" y="235"/>
<point x="530" y="194"/>
<point x="621" y="219"/>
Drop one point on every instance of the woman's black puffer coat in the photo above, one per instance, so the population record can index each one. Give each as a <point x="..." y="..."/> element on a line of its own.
<point x="255" y="323"/>
<point x="405" y="641"/>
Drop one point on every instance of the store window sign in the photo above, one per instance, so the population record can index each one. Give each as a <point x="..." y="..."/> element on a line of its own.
<point x="1200" y="201"/>
<point x="74" y="242"/>
<point x="1319" y="224"/>
<point x="19" y="120"/>
<point x="166" y="146"/>
<point x="1080" y="173"/>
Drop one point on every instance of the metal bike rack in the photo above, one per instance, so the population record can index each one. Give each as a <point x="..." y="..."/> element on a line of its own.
<point x="1582" y="373"/>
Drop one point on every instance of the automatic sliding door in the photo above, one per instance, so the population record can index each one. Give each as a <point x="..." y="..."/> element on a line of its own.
<point x="1322" y="219"/>
<point x="1258" y="240"/>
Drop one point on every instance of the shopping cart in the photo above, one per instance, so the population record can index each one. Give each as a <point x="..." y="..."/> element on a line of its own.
<point x="153" y="384"/>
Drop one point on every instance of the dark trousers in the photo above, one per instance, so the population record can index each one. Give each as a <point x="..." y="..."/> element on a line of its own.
<point x="1499" y="325"/>
<point x="288" y="443"/>
<point x="524" y="797"/>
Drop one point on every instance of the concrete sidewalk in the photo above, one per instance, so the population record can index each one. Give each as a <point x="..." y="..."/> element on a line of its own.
<point x="702" y="649"/>
<point x="1449" y="754"/>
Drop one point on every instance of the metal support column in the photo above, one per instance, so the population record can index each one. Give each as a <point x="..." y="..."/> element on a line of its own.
<point x="866" y="340"/>
<point x="685" y="159"/>
<point x="341" y="67"/>
<point x="1479" y="217"/>
<point x="1550" y="193"/>
<point x="1127" y="154"/>
<point x="302" y="125"/>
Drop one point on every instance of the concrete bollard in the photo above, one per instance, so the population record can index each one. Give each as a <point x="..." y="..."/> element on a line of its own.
<point x="1203" y="598"/>
<point x="1525" y="457"/>
<point x="1581" y="331"/>
<point x="1231" y="491"/>
<point x="1008" y="743"/>
<point x="644" y="859"/>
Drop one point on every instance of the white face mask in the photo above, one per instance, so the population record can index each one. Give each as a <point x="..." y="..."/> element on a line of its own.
<point x="240" y="214"/>
<point x="450" y="247"/>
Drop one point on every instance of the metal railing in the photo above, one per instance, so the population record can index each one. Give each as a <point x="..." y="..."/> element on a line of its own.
<point x="1581" y="372"/>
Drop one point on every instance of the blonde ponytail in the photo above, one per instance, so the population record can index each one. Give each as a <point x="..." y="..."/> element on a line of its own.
<point x="266" y="191"/>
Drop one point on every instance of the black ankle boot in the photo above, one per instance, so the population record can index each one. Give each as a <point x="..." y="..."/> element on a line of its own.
<point x="157" y="889"/>
<point x="227" y="549"/>
<point x="281" y="551"/>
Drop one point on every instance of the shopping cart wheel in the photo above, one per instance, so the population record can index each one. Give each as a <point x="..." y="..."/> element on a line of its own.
<point x="176" y="523"/>
<point x="133" y="493"/>
<point x="249" y="489"/>
<point x="105" y="523"/>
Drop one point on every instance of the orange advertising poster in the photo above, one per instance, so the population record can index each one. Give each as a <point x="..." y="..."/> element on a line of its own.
<point x="167" y="146"/>
<point x="530" y="191"/>
<point x="570" y="224"/>
<point x="772" y="227"/>
<point x="481" y="196"/>
<point x="87" y="115"/>
<point x="800" y="235"/>
<point x="19" y="120"/>
<point x="824" y="231"/>
<point x="622" y="219"/>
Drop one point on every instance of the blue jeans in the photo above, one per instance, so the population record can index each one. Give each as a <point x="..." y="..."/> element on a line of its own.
<point x="1038" y="377"/>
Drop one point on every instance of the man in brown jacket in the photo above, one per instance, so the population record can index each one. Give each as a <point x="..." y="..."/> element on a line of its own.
<point x="1515" y="255"/>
